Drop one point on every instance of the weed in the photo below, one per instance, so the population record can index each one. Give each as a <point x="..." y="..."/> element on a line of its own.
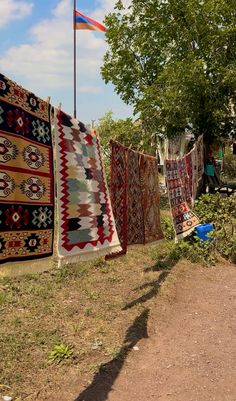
<point x="114" y="352"/>
<point x="167" y="226"/>
<point x="43" y="291"/>
<point x="16" y="321"/>
<point x="93" y="295"/>
<point x="71" y="271"/>
<point x="60" y="352"/>
<point x="95" y="367"/>
<point x="77" y="327"/>
<point x="115" y="279"/>
<point x="99" y="263"/>
<point x="88" y="311"/>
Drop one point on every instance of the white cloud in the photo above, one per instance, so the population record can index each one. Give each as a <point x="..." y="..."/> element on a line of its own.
<point x="45" y="63"/>
<point x="12" y="10"/>
<point x="48" y="60"/>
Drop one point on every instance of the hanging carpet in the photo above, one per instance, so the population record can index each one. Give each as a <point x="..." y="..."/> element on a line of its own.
<point x="85" y="219"/>
<point x="134" y="197"/>
<point x="185" y="179"/>
<point x="26" y="175"/>
<point x="135" y="226"/>
<point x="118" y="193"/>
<point x="184" y="220"/>
<point x="150" y="199"/>
<point x="192" y="169"/>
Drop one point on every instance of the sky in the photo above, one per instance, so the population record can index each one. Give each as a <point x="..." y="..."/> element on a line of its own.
<point x="36" y="51"/>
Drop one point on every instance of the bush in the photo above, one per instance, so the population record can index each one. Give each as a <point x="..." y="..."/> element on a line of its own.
<point x="196" y="250"/>
<point x="229" y="165"/>
<point x="221" y="212"/>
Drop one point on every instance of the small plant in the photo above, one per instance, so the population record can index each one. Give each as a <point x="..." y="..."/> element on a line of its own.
<point x="88" y="311"/>
<point x="115" y="279"/>
<point x="60" y="352"/>
<point x="167" y="227"/>
<point x="93" y="295"/>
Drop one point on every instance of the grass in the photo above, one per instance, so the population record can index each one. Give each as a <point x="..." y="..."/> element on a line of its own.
<point x="86" y="307"/>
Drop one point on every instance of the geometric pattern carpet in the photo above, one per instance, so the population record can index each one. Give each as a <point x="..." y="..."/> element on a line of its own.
<point x="26" y="175"/>
<point x="85" y="219"/>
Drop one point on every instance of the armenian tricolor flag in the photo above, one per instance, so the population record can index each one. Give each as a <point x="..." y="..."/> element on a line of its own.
<point x="84" y="22"/>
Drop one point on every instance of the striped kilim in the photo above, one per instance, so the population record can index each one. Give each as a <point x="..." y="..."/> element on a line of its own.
<point x="86" y="223"/>
<point x="26" y="175"/>
<point x="184" y="220"/>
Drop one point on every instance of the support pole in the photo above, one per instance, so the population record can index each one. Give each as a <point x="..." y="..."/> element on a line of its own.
<point x="74" y="59"/>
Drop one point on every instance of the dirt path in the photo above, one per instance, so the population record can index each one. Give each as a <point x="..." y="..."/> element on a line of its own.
<point x="185" y="351"/>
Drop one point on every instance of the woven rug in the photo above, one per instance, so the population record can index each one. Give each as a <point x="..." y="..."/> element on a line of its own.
<point x="135" y="226"/>
<point x="200" y="157"/>
<point x="150" y="199"/>
<point x="86" y="223"/>
<point x="184" y="220"/>
<point x="118" y="193"/>
<point x="26" y="175"/>
<point x="192" y="169"/>
<point x="186" y="181"/>
<point x="174" y="147"/>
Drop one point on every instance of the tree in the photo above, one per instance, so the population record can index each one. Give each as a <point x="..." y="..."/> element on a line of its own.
<point x="125" y="131"/>
<point x="175" y="62"/>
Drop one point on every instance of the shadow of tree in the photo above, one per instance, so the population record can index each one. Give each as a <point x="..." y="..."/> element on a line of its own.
<point x="155" y="287"/>
<point x="103" y="380"/>
<point x="166" y="263"/>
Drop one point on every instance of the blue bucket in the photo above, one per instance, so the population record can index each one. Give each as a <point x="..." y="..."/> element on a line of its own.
<point x="202" y="230"/>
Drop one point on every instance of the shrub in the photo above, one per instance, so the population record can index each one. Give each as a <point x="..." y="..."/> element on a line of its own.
<point x="196" y="250"/>
<point x="221" y="212"/>
<point x="229" y="164"/>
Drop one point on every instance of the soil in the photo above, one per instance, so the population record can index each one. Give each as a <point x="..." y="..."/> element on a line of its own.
<point x="184" y="350"/>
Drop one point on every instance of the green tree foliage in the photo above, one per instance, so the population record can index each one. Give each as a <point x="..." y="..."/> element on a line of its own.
<point x="175" y="62"/>
<point x="125" y="131"/>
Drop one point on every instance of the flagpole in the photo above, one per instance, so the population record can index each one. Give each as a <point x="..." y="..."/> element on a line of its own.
<point x="74" y="59"/>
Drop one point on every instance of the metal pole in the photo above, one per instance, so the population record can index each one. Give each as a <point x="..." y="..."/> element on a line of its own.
<point x="74" y="59"/>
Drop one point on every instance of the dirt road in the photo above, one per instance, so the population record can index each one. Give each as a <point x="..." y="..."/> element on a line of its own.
<point x="185" y="351"/>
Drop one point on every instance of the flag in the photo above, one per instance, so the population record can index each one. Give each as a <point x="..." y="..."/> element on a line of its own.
<point x="84" y="22"/>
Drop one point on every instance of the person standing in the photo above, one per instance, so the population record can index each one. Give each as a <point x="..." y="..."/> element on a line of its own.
<point x="211" y="177"/>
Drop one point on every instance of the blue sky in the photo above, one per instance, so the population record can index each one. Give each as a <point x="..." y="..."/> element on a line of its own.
<point x="36" y="50"/>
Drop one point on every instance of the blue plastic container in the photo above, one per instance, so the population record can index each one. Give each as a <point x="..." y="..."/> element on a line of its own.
<point x="202" y="230"/>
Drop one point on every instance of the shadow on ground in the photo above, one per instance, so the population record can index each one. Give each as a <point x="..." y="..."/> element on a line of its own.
<point x="167" y="263"/>
<point x="104" y="379"/>
<point x="164" y="265"/>
<point x="102" y="382"/>
<point x="155" y="287"/>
